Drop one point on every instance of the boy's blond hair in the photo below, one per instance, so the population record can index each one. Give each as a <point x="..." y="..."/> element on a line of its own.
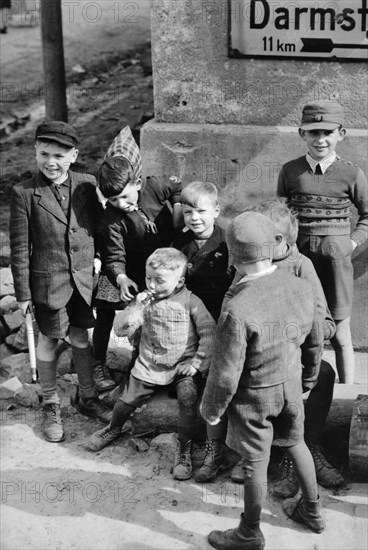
<point x="195" y="190"/>
<point x="284" y="219"/>
<point x="170" y="259"/>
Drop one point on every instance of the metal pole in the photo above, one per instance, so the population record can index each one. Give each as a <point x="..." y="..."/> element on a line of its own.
<point x="53" y="60"/>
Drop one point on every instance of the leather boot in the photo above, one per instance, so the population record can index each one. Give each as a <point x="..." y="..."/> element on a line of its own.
<point x="213" y="462"/>
<point x="94" y="408"/>
<point x="52" y="428"/>
<point x="327" y="475"/>
<point x="305" y="511"/>
<point x="237" y="472"/>
<point x="183" y="460"/>
<point x="243" y="537"/>
<point x="287" y="485"/>
<point x="101" y="378"/>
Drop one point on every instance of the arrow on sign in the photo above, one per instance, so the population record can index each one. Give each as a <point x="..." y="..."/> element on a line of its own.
<point x="325" y="45"/>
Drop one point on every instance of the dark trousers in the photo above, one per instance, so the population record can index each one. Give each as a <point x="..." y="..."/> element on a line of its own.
<point x="137" y="392"/>
<point x="318" y="404"/>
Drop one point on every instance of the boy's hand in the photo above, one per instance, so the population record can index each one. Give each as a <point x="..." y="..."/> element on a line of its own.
<point x="23" y="306"/>
<point x="125" y="284"/>
<point x="187" y="369"/>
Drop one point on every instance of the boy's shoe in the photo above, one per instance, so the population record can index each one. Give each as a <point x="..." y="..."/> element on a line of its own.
<point x="101" y="377"/>
<point x="237" y="473"/>
<point x="327" y="475"/>
<point x="102" y="438"/>
<point x="52" y="428"/>
<point x="213" y="462"/>
<point x="183" y="460"/>
<point x="305" y="511"/>
<point x="288" y="484"/>
<point x="241" y="538"/>
<point x="94" y="408"/>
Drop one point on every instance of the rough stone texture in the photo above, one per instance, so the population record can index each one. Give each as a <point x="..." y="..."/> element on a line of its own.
<point x="195" y="81"/>
<point x="8" y="304"/>
<point x="17" y="365"/>
<point x="6" y="282"/>
<point x="9" y="388"/>
<point x="13" y="320"/>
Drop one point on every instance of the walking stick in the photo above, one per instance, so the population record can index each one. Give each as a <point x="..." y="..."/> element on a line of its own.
<point x="31" y="343"/>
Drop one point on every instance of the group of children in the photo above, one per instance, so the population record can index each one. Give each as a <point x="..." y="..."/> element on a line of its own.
<point x="235" y="319"/>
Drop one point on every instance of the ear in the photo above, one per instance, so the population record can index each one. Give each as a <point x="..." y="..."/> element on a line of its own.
<point x="75" y="155"/>
<point x="217" y="211"/>
<point x="180" y="282"/>
<point x="302" y="133"/>
<point x="139" y="185"/>
<point x="342" y="134"/>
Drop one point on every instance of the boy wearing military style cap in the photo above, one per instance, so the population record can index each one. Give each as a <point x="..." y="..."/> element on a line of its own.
<point x="322" y="188"/>
<point x="52" y="226"/>
<point x="256" y="375"/>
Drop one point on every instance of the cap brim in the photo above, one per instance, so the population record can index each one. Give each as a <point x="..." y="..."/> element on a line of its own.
<point x="52" y="137"/>
<point x="320" y="126"/>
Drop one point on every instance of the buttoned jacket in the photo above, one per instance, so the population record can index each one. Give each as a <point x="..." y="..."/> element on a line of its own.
<point x="50" y="254"/>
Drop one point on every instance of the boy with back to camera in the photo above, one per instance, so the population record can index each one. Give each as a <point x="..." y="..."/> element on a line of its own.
<point x="135" y="222"/>
<point x="52" y="227"/>
<point x="256" y="375"/>
<point x="175" y="345"/>
<point x="323" y="187"/>
<point x="204" y="244"/>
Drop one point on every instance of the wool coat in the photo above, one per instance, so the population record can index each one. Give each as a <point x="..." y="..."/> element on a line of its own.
<point x="50" y="253"/>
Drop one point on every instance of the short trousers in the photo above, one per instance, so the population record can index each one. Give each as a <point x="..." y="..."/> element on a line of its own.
<point x="331" y="257"/>
<point x="266" y="416"/>
<point x="55" y="323"/>
<point x="137" y="392"/>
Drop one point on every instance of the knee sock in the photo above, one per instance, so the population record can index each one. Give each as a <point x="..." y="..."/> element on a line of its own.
<point x="47" y="377"/>
<point x="255" y="489"/>
<point x="82" y="359"/>
<point x="121" y="414"/>
<point x="101" y="332"/>
<point x="187" y="399"/>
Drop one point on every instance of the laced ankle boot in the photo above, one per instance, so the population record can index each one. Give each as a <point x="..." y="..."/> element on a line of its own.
<point x="288" y="484"/>
<point x="213" y="462"/>
<point x="102" y="379"/>
<point x="52" y="427"/>
<point x="305" y="511"/>
<point x="327" y="475"/>
<point x="183" y="460"/>
<point x="247" y="536"/>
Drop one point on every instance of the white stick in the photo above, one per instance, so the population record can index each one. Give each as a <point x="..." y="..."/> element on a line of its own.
<point x="31" y="344"/>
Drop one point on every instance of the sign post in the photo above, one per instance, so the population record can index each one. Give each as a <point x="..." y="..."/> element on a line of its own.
<point x="299" y="29"/>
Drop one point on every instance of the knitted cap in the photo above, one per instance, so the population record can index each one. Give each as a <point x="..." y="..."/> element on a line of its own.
<point x="326" y="115"/>
<point x="251" y="237"/>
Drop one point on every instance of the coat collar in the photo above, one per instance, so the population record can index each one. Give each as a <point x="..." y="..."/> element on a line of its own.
<point x="48" y="202"/>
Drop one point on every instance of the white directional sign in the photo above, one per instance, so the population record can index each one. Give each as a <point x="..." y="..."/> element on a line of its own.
<point x="299" y="29"/>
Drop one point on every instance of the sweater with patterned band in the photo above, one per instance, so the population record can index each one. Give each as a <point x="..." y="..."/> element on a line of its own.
<point x="324" y="201"/>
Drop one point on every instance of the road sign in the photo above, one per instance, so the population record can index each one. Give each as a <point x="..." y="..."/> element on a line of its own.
<point x="307" y="29"/>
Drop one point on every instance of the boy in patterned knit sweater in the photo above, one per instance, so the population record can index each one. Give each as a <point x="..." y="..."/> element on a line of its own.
<point x="323" y="187"/>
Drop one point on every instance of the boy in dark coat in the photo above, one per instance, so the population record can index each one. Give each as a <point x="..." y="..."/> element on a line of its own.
<point x="256" y="375"/>
<point x="204" y="244"/>
<point x="52" y="228"/>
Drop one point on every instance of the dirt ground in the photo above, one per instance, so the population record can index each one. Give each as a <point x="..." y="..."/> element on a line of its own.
<point x="60" y="496"/>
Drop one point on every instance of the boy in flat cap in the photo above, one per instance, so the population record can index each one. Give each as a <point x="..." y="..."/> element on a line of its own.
<point x="52" y="226"/>
<point x="256" y="375"/>
<point x="322" y="188"/>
